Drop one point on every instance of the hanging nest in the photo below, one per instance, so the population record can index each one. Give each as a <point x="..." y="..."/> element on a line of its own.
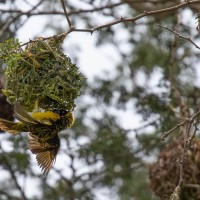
<point x="40" y="73"/>
<point x="164" y="174"/>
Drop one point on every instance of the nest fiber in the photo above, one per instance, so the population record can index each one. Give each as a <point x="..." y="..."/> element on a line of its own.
<point x="41" y="73"/>
<point x="165" y="173"/>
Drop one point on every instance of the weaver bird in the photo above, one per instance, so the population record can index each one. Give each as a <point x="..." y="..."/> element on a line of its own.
<point x="43" y="128"/>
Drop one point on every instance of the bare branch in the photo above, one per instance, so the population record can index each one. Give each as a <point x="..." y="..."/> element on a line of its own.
<point x="75" y="12"/>
<point x="180" y="36"/>
<point x="9" y="22"/>
<point x="66" y="14"/>
<point x="14" y="178"/>
<point x="183" y="155"/>
<point x="122" y="19"/>
<point x="191" y="120"/>
<point x="187" y="146"/>
<point x="54" y="12"/>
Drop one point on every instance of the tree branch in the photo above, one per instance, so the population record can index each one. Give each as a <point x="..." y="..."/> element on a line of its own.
<point x="9" y="22"/>
<point x="180" y="36"/>
<point x="122" y="19"/>
<point x="191" y="120"/>
<point x="75" y="12"/>
<point x="14" y="178"/>
<point x="66" y="14"/>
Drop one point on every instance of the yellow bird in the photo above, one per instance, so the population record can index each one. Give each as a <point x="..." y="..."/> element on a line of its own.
<point x="43" y="128"/>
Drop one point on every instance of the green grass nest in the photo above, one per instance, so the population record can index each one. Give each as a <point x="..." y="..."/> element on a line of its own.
<point x="40" y="73"/>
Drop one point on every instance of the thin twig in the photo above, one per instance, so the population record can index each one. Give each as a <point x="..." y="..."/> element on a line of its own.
<point x="190" y="185"/>
<point x="148" y="1"/>
<point x="14" y="178"/>
<point x="180" y="36"/>
<point x="183" y="155"/>
<point x="165" y="134"/>
<point x="9" y="22"/>
<point x="174" y="89"/>
<point x="190" y="139"/>
<point x="194" y="133"/>
<point x="90" y="10"/>
<point x="66" y="14"/>
<point x="72" y="12"/>
<point x="122" y="19"/>
<point x="187" y="145"/>
<point x="79" y="11"/>
<point x="191" y="120"/>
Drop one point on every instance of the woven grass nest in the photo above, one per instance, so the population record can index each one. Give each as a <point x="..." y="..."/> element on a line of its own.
<point x="41" y="73"/>
<point x="164" y="174"/>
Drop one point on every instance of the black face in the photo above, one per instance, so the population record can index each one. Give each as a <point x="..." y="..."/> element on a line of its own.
<point x="60" y="112"/>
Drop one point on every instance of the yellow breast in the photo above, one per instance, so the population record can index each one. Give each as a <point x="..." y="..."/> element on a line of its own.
<point x="45" y="117"/>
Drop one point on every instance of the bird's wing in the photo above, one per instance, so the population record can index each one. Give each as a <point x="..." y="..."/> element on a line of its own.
<point x="22" y="115"/>
<point x="36" y="117"/>
<point x="45" y="151"/>
<point x="8" y="126"/>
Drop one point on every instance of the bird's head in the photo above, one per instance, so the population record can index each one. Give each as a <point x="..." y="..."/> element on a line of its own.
<point x="65" y="114"/>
